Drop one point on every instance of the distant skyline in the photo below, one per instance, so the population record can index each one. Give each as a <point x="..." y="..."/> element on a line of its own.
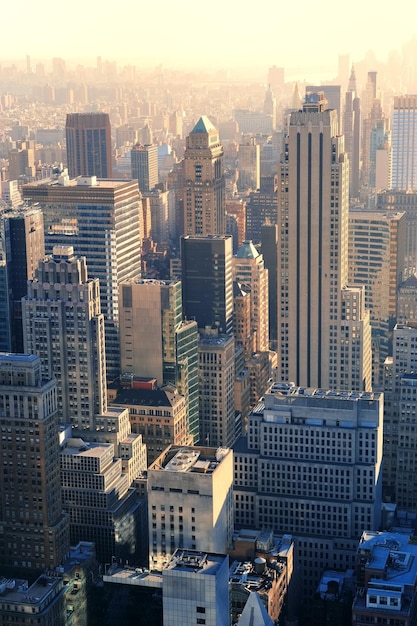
<point x="301" y="36"/>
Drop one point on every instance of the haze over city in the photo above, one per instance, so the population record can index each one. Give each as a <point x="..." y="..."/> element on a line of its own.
<point x="304" y="37"/>
<point x="208" y="314"/>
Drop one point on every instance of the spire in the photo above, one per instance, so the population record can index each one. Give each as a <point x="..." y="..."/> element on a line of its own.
<point x="296" y="102"/>
<point x="352" y="81"/>
<point x="254" y="612"/>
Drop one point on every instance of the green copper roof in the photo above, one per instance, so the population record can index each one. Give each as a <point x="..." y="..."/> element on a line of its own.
<point x="247" y="251"/>
<point x="203" y="125"/>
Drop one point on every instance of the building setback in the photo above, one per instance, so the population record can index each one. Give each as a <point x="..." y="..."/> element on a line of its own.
<point x="100" y="219"/>
<point x="311" y="465"/>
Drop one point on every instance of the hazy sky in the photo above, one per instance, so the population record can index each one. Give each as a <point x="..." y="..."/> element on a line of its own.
<point x="258" y="33"/>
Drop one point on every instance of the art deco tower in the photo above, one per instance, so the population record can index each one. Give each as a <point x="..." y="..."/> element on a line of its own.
<point x="322" y="327"/>
<point x="64" y="326"/>
<point x="204" y="184"/>
<point x="89" y="149"/>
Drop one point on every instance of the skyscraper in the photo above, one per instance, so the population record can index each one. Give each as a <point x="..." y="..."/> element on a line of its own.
<point x="351" y="131"/>
<point x="34" y="530"/>
<point x="249" y="269"/>
<point x="155" y="342"/>
<point x="207" y="281"/>
<point x="100" y="219"/>
<point x="64" y="326"/>
<point x="216" y="370"/>
<point x="144" y="161"/>
<point x="89" y="147"/>
<point x="404" y="143"/>
<point x="190" y="502"/>
<point x="204" y="184"/>
<point x="311" y="465"/>
<point x="376" y="253"/>
<point x="22" y="234"/>
<point x="249" y="165"/>
<point x="313" y="223"/>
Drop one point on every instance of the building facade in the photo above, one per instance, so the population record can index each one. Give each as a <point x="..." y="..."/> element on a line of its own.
<point x="34" y="527"/>
<point x="100" y="219"/>
<point x="216" y="371"/>
<point x="89" y="145"/>
<point x="207" y="281"/>
<point x="204" y="184"/>
<point x="313" y="194"/>
<point x="190" y="502"/>
<point x="155" y="342"/>
<point x="64" y="326"/>
<point x="144" y="162"/>
<point x="404" y="143"/>
<point x="311" y="465"/>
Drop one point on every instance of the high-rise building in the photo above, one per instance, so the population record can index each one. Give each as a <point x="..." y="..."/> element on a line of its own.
<point x="313" y="309"/>
<point x="352" y="133"/>
<point x="204" y="184"/>
<point x="155" y="342"/>
<point x="100" y="219"/>
<point x="269" y="249"/>
<point x="399" y="418"/>
<point x="89" y="146"/>
<point x="216" y="370"/>
<point x="144" y="161"/>
<point x="249" y="269"/>
<point x="376" y="253"/>
<point x="34" y="529"/>
<point x="196" y="589"/>
<point x="207" y="281"/>
<point x="333" y="96"/>
<point x="190" y="502"/>
<point x="311" y="465"/>
<point x="64" y="326"/>
<point x="399" y="202"/>
<point x="261" y="208"/>
<point x="145" y="406"/>
<point x="101" y="503"/>
<point x="249" y="165"/>
<point x="22" y="235"/>
<point x="407" y="301"/>
<point x="404" y="143"/>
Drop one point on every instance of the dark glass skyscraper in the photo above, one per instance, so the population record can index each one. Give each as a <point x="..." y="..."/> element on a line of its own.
<point x="207" y="281"/>
<point x="89" y="150"/>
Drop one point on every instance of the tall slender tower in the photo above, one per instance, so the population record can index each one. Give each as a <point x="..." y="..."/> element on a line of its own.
<point x="404" y="143"/>
<point x="89" y="148"/>
<point x="23" y="231"/>
<point x="351" y="130"/>
<point x="144" y="162"/>
<point x="313" y="221"/>
<point x="204" y="184"/>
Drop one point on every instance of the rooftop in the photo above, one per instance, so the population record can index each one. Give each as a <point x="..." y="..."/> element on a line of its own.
<point x="148" y="397"/>
<point x="290" y="389"/>
<point x="190" y="459"/>
<point x="202" y="563"/>
<point x="203" y="125"/>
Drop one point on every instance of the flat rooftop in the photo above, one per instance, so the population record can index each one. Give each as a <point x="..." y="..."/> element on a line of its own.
<point x="200" y="563"/>
<point x="190" y="459"/>
<point x="289" y="389"/>
<point x="17" y="591"/>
